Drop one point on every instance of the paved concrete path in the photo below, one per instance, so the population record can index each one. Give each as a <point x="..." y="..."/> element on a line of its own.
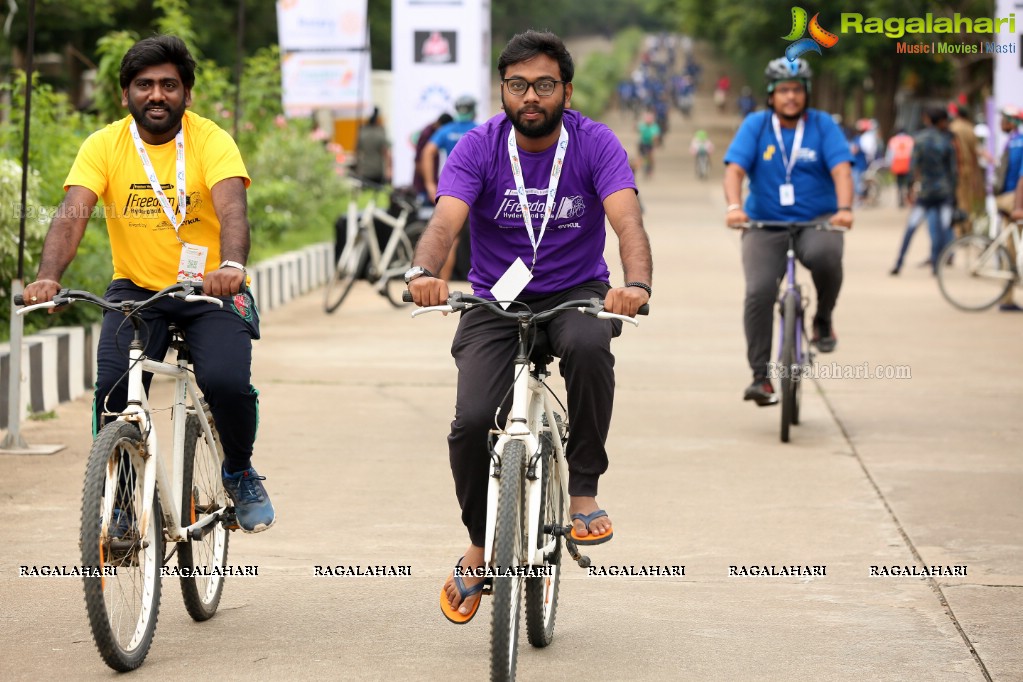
<point x="918" y="471"/>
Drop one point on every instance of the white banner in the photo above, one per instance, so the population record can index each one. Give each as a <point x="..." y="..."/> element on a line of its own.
<point x="440" y="50"/>
<point x="334" y="80"/>
<point x="322" y="25"/>
<point x="1008" y="67"/>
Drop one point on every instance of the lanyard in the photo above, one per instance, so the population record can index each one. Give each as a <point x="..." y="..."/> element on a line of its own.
<point x="552" y="189"/>
<point x="147" y="165"/>
<point x="789" y="161"/>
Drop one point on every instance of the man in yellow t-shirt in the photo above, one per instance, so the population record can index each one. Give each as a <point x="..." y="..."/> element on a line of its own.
<point x="172" y="186"/>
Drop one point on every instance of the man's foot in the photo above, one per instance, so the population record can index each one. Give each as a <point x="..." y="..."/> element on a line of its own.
<point x="1009" y="308"/>
<point x="589" y="527"/>
<point x="252" y="505"/>
<point x="894" y="271"/>
<point x="761" y="392"/>
<point x="464" y="603"/>
<point x="924" y="263"/>
<point x="824" y="336"/>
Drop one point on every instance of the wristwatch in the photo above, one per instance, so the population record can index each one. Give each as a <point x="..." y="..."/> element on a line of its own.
<point x="417" y="271"/>
<point x="234" y="264"/>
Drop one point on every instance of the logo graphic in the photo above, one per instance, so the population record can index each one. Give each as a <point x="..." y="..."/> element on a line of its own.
<point x="818" y="36"/>
<point x="570" y="207"/>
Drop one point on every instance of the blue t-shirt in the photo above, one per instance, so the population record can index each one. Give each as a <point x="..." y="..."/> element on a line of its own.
<point x="756" y="151"/>
<point x="1014" y="166"/>
<point x="572" y="249"/>
<point x="447" y="136"/>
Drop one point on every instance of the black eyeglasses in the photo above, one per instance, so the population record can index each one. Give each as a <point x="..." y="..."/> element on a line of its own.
<point x="544" y="87"/>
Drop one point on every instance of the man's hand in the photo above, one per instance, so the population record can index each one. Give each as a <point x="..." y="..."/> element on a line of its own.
<point x="428" y="291"/>
<point x="736" y="218"/>
<point x="843" y="218"/>
<point x="223" y="282"/>
<point x="40" y="291"/>
<point x="625" y="300"/>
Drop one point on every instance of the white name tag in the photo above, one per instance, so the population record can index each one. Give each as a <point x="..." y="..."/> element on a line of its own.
<point x="787" y="194"/>
<point x="512" y="282"/>
<point x="192" y="266"/>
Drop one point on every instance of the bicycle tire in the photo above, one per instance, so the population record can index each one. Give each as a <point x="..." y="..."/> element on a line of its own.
<point x="959" y="280"/>
<point x="400" y="262"/>
<point x="789" y="379"/>
<point x="202" y="493"/>
<point x="122" y="608"/>
<point x="509" y="551"/>
<point x="542" y="591"/>
<point x="349" y="264"/>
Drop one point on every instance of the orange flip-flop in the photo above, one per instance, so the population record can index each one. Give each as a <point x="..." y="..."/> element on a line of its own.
<point x="590" y="539"/>
<point x="452" y="613"/>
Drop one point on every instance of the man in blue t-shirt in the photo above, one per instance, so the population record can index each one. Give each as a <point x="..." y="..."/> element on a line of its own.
<point x="561" y="242"/>
<point x="1009" y="185"/>
<point x="798" y="165"/>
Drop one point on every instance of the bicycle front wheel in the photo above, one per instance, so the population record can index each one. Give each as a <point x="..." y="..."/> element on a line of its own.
<point x="509" y="552"/>
<point x="349" y="265"/>
<point x="972" y="275"/>
<point x="123" y="546"/>
<point x="790" y="371"/>
<point x="542" y="591"/>
<point x="201" y="562"/>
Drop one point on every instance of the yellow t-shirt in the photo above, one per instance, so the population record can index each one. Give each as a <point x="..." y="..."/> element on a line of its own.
<point x="142" y="241"/>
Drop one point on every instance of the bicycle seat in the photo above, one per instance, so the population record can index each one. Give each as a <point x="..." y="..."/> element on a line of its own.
<point x="541" y="354"/>
<point x="177" y="340"/>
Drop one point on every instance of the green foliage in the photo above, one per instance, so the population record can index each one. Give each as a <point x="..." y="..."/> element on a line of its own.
<point x="295" y="187"/>
<point x="111" y="49"/>
<point x="595" y="80"/>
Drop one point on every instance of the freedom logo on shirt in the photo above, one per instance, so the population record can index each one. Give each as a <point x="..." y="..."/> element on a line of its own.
<point x="566" y="208"/>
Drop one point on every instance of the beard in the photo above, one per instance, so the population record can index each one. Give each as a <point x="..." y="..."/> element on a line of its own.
<point x="171" y="122"/>
<point x="540" y="128"/>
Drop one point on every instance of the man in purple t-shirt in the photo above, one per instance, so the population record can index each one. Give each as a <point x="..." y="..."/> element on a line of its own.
<point x="564" y="248"/>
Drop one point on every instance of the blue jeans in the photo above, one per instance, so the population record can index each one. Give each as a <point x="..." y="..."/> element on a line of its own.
<point x="939" y="221"/>
<point x="916" y="216"/>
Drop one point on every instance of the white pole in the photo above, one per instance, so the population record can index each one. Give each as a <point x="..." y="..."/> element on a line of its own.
<point x="13" y="439"/>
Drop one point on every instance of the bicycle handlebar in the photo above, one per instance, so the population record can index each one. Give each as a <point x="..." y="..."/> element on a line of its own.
<point x="458" y="301"/>
<point x="181" y="290"/>
<point x="794" y="225"/>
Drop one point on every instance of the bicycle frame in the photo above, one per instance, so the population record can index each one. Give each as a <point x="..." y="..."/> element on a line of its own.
<point x="1011" y="232"/>
<point x="378" y="258"/>
<point x="791" y="286"/>
<point x="155" y="474"/>
<point x="530" y="405"/>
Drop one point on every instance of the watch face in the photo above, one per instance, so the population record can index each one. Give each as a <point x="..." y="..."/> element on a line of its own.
<point x="412" y="273"/>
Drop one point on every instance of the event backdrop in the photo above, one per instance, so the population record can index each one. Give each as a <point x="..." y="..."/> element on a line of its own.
<point x="440" y="50"/>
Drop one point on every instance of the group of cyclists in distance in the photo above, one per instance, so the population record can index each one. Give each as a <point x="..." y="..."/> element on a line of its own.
<point x="786" y="162"/>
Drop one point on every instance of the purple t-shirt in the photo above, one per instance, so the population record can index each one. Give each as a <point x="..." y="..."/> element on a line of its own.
<point x="572" y="250"/>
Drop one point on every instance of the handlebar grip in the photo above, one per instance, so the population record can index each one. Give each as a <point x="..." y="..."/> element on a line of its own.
<point x="644" y="309"/>
<point x="406" y="296"/>
<point x="19" y="299"/>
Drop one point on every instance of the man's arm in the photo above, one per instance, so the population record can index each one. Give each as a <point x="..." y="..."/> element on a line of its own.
<point x="624" y="214"/>
<point x="734" y="215"/>
<point x="61" y="244"/>
<point x="230" y="203"/>
<point x="433" y="248"/>
<point x="841" y="174"/>
<point x="428" y="166"/>
<point x="1017" y="208"/>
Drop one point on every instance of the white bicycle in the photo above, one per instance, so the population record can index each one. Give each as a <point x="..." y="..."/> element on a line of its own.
<point x="975" y="272"/>
<point x="132" y="504"/>
<point x="527" y="497"/>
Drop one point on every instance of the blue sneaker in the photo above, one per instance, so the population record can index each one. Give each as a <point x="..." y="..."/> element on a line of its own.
<point x="251" y="503"/>
<point x="121" y="523"/>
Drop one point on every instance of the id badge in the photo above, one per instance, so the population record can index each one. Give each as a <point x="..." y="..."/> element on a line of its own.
<point x="192" y="266"/>
<point x="787" y="194"/>
<point x="511" y="284"/>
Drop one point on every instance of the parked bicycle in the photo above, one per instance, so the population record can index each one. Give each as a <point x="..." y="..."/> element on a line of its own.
<point x="132" y="504"/>
<point x="795" y="352"/>
<point x="362" y="255"/>
<point x="975" y="271"/>
<point x="527" y="497"/>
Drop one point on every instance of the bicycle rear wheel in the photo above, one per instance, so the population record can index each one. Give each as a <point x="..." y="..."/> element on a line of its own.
<point x="542" y="591"/>
<point x="115" y="538"/>
<point x="790" y="374"/>
<point x="202" y="561"/>
<point x="970" y="276"/>
<point x="349" y="265"/>
<point x="509" y="552"/>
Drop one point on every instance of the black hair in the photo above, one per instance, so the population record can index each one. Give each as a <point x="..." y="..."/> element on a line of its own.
<point x="963" y="111"/>
<point x="936" y="115"/>
<point x="525" y="46"/>
<point x="156" y="50"/>
<point x="445" y="119"/>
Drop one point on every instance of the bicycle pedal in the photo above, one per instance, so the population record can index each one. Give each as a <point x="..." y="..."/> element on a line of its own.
<point x="229" y="520"/>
